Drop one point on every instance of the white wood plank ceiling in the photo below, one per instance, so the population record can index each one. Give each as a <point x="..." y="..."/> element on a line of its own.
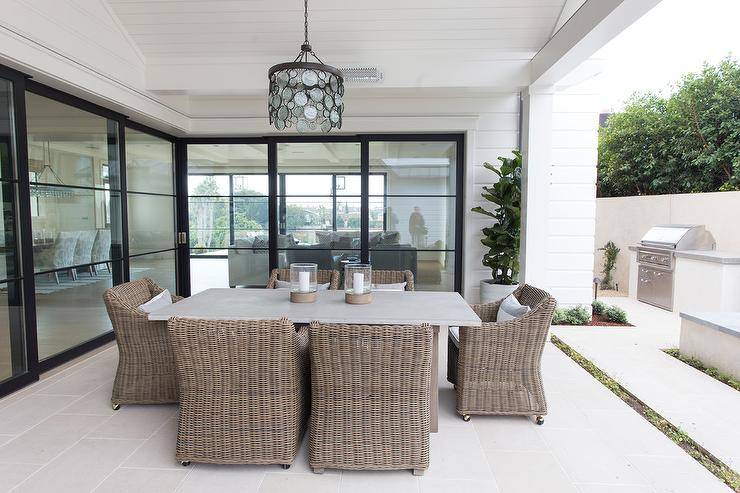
<point x="212" y="47"/>
<point x="228" y="28"/>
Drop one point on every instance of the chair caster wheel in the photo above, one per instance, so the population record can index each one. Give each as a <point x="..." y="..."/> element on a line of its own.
<point x="116" y="407"/>
<point x="540" y="420"/>
<point x="285" y="466"/>
<point x="185" y="463"/>
<point x="466" y="417"/>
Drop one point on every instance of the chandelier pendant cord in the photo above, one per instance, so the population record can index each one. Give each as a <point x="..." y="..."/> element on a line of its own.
<point x="305" y="20"/>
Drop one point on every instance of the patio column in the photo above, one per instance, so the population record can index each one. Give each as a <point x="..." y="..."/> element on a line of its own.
<point x="536" y="138"/>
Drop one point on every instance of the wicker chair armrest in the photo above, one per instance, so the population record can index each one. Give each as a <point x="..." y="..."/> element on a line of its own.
<point x="513" y="343"/>
<point x="487" y="311"/>
<point x="141" y="314"/>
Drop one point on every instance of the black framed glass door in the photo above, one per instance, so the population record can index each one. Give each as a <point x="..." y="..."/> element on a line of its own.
<point x="14" y="343"/>
<point x="88" y="202"/>
<point x="255" y="204"/>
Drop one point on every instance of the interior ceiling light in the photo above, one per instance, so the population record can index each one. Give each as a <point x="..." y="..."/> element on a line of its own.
<point x="305" y="94"/>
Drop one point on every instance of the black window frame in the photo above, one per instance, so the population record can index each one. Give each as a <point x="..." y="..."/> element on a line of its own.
<point x="274" y="202"/>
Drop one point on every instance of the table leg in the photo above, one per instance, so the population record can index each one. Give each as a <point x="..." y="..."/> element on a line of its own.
<point x="434" y="382"/>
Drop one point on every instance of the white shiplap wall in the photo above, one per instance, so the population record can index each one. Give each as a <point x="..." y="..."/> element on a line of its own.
<point x="572" y="208"/>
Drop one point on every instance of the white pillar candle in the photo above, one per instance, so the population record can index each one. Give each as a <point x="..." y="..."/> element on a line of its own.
<point x="358" y="281"/>
<point x="304" y="281"/>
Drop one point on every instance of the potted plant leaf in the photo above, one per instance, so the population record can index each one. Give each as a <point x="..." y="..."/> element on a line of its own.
<point x="502" y="238"/>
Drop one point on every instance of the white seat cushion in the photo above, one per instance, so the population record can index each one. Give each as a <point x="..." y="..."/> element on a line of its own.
<point x="510" y="309"/>
<point x="398" y="286"/>
<point x="162" y="300"/>
<point x="286" y="285"/>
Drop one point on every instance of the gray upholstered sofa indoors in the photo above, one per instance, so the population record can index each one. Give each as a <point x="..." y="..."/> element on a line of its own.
<point x="249" y="258"/>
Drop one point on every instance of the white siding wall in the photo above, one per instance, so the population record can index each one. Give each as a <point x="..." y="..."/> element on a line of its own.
<point x="496" y="134"/>
<point x="572" y="208"/>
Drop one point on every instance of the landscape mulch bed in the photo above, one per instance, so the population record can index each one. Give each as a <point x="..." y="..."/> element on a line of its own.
<point x="601" y="321"/>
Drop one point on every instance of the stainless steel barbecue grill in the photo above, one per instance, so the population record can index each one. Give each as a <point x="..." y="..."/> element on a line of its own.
<point x="656" y="259"/>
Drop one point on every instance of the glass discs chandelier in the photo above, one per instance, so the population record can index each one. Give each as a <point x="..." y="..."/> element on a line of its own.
<point x="305" y="94"/>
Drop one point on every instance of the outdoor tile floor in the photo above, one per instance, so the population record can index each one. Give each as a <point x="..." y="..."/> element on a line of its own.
<point x="60" y="435"/>
<point x="704" y="408"/>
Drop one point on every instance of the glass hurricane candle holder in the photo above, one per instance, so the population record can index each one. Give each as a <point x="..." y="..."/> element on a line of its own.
<point x="303" y="285"/>
<point x="358" y="284"/>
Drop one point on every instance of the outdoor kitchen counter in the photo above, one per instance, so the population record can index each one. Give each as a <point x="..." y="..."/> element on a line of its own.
<point x="717" y="256"/>
<point x="704" y="280"/>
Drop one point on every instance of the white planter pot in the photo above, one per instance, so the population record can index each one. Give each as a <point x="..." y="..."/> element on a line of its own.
<point x="490" y="292"/>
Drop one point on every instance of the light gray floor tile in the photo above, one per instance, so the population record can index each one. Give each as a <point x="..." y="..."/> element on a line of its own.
<point x="142" y="481"/>
<point x="133" y="421"/>
<point x="562" y="413"/>
<point x="528" y="472"/>
<point x="456" y="453"/>
<point x="587" y="459"/>
<point x="374" y="481"/>
<point x="678" y="475"/>
<point x="43" y="442"/>
<point x="436" y="485"/>
<point x="688" y="398"/>
<point x="508" y="433"/>
<point x="81" y="467"/>
<point x="13" y="474"/>
<point x="614" y="488"/>
<point x="159" y="450"/>
<point x="628" y="433"/>
<point x="96" y="402"/>
<point x="81" y="382"/>
<point x="593" y="441"/>
<point x="289" y="483"/>
<point x="20" y="416"/>
<point x="222" y="478"/>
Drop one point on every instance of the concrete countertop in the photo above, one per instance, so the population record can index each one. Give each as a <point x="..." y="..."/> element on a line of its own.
<point x="717" y="256"/>
<point x="727" y="322"/>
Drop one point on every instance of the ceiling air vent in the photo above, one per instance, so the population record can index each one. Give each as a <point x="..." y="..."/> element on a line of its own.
<point x="361" y="74"/>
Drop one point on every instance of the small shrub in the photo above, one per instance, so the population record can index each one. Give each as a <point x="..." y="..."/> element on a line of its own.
<point x="616" y="315"/>
<point x="577" y="315"/>
<point x="610" y="261"/>
<point x="599" y="307"/>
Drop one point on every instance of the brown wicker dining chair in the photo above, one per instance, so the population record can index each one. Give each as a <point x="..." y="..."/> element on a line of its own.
<point x="394" y="277"/>
<point x="146" y="365"/>
<point x="496" y="367"/>
<point x="243" y="390"/>
<point x="322" y="277"/>
<point x="370" y="397"/>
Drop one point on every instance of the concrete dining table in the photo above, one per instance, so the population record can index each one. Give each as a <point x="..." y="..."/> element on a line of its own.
<point x="439" y="309"/>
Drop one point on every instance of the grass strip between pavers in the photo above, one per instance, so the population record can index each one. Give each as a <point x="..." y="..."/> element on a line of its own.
<point x="699" y="453"/>
<point x="728" y="380"/>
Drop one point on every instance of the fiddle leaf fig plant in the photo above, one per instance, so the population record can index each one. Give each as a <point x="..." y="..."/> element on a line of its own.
<point x="502" y="238"/>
